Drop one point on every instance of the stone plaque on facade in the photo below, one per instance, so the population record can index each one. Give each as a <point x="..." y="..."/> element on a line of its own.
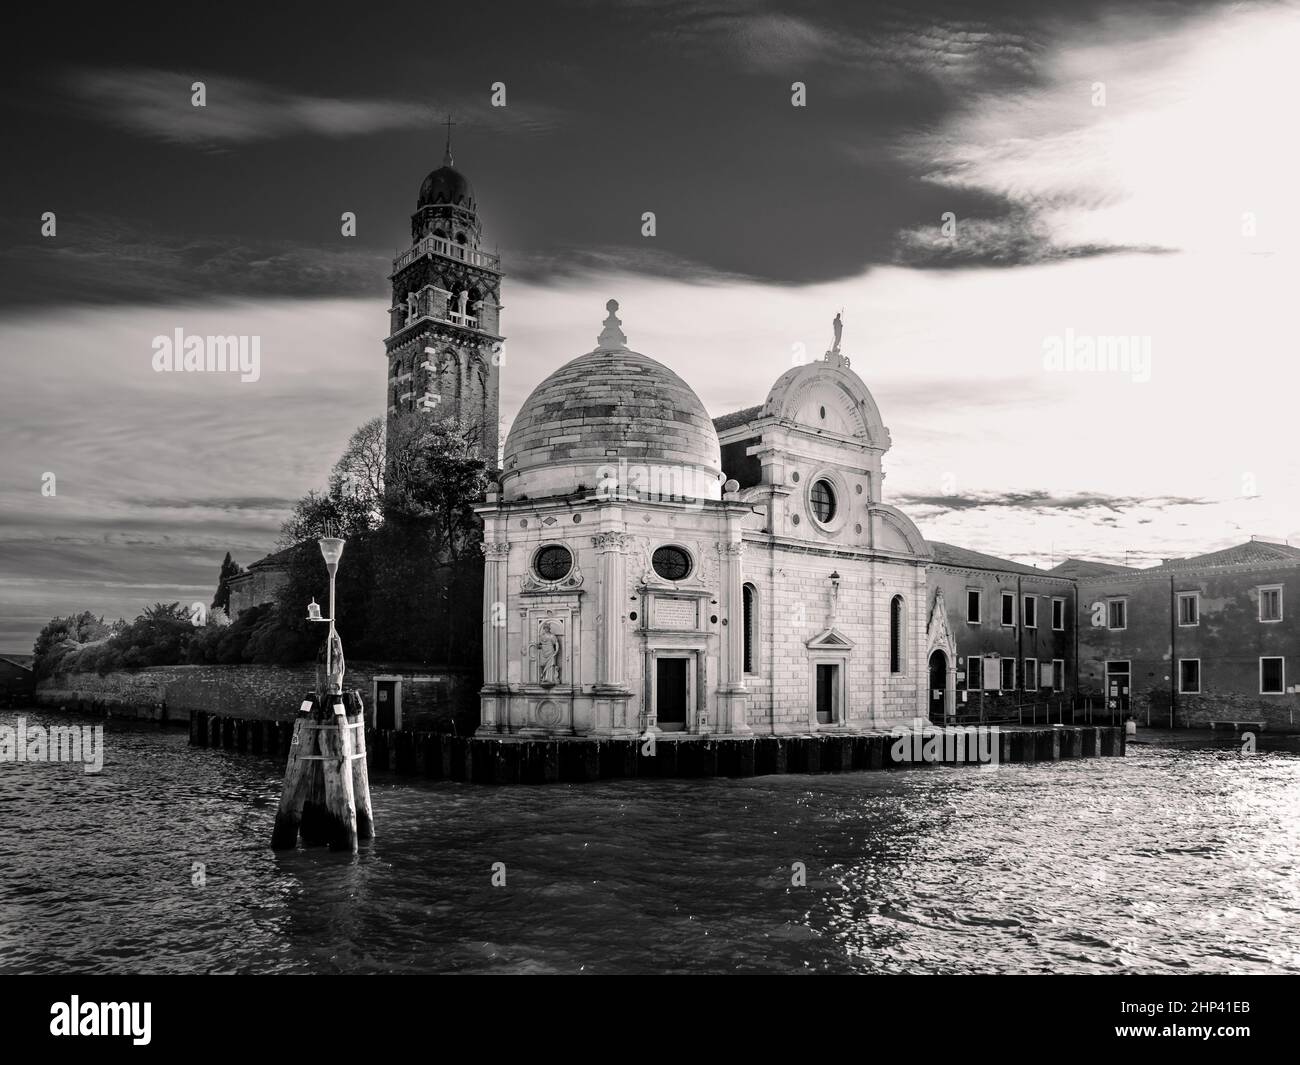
<point x="675" y="613"/>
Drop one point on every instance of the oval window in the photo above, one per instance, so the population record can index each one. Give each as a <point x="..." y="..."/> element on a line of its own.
<point x="823" y="501"/>
<point x="671" y="563"/>
<point x="553" y="563"/>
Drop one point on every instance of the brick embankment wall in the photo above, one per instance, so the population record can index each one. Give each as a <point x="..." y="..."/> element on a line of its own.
<point x="1280" y="712"/>
<point x="1277" y="712"/>
<point x="431" y="699"/>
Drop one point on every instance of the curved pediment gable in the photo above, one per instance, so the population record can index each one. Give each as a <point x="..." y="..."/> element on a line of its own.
<point x="895" y="531"/>
<point x="829" y="398"/>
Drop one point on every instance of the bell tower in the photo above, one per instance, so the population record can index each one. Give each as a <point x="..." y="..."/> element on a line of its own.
<point x="444" y="328"/>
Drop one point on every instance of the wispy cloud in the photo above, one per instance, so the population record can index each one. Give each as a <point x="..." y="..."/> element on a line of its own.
<point x="158" y="104"/>
<point x="106" y="260"/>
<point x="886" y="50"/>
<point x="1145" y="130"/>
<point x="1042" y="502"/>
<point x="1018" y="238"/>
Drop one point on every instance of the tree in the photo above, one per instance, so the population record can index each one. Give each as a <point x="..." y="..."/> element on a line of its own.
<point x="158" y="637"/>
<point x="352" y="502"/>
<point x="60" y="636"/>
<point x="411" y="572"/>
<point x="229" y="568"/>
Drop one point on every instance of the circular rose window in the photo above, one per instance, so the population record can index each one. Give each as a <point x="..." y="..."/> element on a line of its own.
<point x="553" y="563"/>
<point x="671" y="563"/>
<point x="823" y="501"/>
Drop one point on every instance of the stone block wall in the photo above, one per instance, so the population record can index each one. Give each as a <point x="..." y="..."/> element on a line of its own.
<point x="431" y="699"/>
<point x="794" y="607"/>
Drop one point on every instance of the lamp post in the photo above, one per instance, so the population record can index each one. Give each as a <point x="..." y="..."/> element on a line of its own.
<point x="331" y="549"/>
<point x="326" y="793"/>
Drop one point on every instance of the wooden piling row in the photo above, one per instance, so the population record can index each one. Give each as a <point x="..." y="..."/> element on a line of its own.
<point x="509" y="760"/>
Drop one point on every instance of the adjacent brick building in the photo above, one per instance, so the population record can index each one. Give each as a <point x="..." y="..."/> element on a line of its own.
<point x="1212" y="638"/>
<point x="1012" y="634"/>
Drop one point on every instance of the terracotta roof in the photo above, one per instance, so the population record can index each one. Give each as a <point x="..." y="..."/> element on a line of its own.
<point x="737" y="417"/>
<point x="1086" y="567"/>
<point x="948" y="555"/>
<point x="1250" y="553"/>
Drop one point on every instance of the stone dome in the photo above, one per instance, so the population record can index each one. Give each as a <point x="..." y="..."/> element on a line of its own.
<point x="606" y="408"/>
<point x="446" y="185"/>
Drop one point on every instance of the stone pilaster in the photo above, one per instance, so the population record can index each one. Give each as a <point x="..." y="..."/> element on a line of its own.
<point x="611" y="690"/>
<point x="610" y="650"/>
<point x="731" y="665"/>
<point x="495" y="692"/>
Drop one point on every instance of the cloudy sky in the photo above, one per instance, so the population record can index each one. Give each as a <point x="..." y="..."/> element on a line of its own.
<point x="1105" y="170"/>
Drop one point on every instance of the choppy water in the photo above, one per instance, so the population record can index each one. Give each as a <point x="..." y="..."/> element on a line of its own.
<point x="1168" y="860"/>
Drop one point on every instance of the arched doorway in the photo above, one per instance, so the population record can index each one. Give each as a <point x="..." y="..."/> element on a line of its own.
<point x="938" y="685"/>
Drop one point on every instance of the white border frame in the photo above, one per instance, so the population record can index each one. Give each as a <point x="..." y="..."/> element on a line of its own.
<point x="1062" y="600"/>
<point x="1260" y="589"/>
<point x="1003" y="595"/>
<point x="1280" y="658"/>
<point x="1117" y="628"/>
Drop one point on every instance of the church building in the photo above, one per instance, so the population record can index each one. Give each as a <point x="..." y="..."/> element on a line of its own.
<point x="649" y="569"/>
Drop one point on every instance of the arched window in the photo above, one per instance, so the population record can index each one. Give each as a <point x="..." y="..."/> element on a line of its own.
<point x="749" y="596"/>
<point x="896" y="635"/>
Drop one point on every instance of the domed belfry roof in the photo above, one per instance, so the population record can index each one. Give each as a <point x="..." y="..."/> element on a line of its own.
<point x="446" y="185"/>
<point x="609" y="406"/>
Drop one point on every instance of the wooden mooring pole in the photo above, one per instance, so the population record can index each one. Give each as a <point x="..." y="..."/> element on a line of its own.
<point x="326" y="794"/>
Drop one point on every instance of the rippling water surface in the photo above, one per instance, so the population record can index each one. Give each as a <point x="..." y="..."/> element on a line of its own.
<point x="1168" y="860"/>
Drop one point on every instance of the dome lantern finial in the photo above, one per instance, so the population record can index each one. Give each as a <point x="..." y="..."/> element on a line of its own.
<point x="611" y="337"/>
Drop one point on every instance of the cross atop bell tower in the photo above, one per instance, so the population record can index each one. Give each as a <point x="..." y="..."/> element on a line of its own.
<point x="447" y="160"/>
<point x="444" y="338"/>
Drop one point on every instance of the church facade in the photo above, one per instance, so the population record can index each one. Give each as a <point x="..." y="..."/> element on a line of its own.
<point x="648" y="569"/>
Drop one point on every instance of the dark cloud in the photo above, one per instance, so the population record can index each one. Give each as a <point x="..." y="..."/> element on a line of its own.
<point x="112" y="260"/>
<point x="160" y="104"/>
<point x="1040" y="502"/>
<point x="681" y="108"/>
<point x="1018" y="238"/>
<point x="256" y="503"/>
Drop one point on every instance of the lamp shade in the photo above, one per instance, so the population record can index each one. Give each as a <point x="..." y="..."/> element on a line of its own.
<point x="331" y="549"/>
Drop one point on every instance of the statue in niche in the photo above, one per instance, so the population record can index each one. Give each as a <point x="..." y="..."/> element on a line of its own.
<point x="548" y="655"/>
